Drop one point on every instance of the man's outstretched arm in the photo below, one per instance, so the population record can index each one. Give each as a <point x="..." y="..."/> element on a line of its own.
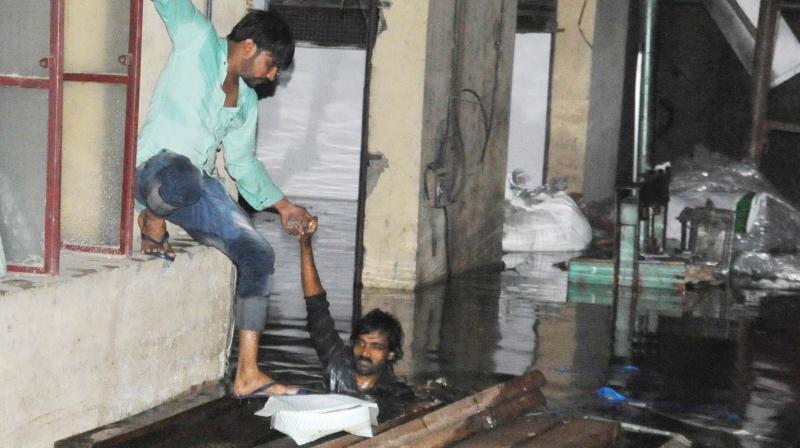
<point x="308" y="269"/>
<point x="327" y="342"/>
<point x="183" y="21"/>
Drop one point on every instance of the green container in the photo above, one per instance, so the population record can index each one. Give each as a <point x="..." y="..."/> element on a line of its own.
<point x="652" y="274"/>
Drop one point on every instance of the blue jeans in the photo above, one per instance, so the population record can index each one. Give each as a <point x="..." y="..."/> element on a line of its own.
<point x="170" y="186"/>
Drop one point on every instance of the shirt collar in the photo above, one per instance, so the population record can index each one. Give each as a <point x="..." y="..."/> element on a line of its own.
<point x="223" y="59"/>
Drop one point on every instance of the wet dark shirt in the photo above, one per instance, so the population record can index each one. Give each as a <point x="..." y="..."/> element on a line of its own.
<point x="337" y="359"/>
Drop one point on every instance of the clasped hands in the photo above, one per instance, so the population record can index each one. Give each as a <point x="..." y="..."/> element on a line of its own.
<point x="295" y="219"/>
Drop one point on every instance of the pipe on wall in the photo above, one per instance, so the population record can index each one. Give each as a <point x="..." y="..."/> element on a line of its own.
<point x="762" y="76"/>
<point x="646" y="113"/>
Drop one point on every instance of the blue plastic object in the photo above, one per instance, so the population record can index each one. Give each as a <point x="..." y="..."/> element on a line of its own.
<point x="609" y="395"/>
<point x="630" y="368"/>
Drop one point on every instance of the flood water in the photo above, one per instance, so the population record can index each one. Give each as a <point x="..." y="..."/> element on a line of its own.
<point x="720" y="366"/>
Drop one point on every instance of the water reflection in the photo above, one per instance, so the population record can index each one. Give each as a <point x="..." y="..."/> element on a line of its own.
<point x="705" y="364"/>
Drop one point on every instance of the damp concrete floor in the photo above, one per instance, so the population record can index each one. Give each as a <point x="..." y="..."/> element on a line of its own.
<point x="720" y="366"/>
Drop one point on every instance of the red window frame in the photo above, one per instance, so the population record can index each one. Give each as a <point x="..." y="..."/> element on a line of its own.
<point x="55" y="85"/>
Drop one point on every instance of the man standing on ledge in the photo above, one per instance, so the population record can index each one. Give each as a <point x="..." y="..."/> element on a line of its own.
<point x="205" y="100"/>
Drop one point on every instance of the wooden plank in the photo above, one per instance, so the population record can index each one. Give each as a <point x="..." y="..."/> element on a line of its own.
<point x="508" y="435"/>
<point x="576" y="434"/>
<point x="444" y="419"/>
<point x="483" y="421"/>
<point x="183" y="408"/>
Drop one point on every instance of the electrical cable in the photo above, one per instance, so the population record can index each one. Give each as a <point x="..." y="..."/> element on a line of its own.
<point x="580" y="22"/>
<point x="451" y="154"/>
<point x="487" y="120"/>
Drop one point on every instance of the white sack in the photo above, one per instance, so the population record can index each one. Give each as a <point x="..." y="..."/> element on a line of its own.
<point x="545" y="223"/>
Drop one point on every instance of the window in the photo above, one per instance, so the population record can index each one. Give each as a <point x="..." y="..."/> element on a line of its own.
<point x="68" y="110"/>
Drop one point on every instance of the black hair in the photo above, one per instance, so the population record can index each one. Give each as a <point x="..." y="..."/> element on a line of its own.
<point x="270" y="32"/>
<point x="386" y="324"/>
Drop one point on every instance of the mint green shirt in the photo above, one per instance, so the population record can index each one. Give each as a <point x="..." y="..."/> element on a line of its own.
<point x="187" y="113"/>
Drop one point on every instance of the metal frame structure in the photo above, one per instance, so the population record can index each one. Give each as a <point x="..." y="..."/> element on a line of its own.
<point x="55" y="85"/>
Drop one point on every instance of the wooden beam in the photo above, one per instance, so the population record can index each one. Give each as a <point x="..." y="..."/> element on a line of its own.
<point x="489" y="419"/>
<point x="457" y="412"/>
<point x="508" y="435"/>
<point x="583" y="433"/>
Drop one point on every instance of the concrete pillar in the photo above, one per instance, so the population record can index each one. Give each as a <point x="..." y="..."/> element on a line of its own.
<point x="440" y="71"/>
<point x="605" y="106"/>
<point x="396" y="99"/>
<point x="569" y="103"/>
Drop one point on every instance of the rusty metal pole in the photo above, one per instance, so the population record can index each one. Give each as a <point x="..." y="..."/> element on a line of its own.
<point x="762" y="76"/>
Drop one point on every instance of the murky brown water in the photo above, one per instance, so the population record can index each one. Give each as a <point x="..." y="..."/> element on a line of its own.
<point x="721" y="368"/>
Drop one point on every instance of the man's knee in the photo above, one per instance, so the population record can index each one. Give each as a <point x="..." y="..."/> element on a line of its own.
<point x="168" y="182"/>
<point x="181" y="182"/>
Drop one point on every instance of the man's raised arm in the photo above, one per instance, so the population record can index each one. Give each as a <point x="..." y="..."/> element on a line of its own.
<point x="327" y="342"/>
<point x="183" y="21"/>
<point x="308" y="269"/>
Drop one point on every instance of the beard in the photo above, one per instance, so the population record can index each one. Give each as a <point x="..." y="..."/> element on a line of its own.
<point x="365" y="366"/>
<point x="248" y="65"/>
<point x="253" y="82"/>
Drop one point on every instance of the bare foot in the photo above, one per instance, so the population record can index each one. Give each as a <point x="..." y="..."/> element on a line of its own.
<point x="154" y="231"/>
<point x="245" y="385"/>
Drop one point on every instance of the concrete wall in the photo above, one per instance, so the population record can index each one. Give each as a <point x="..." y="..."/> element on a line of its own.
<point x="420" y="63"/>
<point x="395" y="131"/>
<point x="606" y="91"/>
<point x="108" y="338"/>
<point x="569" y="103"/>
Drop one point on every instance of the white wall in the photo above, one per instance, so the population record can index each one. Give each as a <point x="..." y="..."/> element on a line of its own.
<point x="309" y="133"/>
<point x="529" y="85"/>
<point x="109" y="338"/>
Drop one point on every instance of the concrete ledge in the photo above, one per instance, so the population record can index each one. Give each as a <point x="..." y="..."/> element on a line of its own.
<point x="109" y="338"/>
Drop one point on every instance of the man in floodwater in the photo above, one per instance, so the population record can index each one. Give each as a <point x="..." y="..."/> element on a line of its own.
<point x="205" y="100"/>
<point x="366" y="366"/>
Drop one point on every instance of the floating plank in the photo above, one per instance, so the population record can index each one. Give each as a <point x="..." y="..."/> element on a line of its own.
<point x="576" y="434"/>
<point x="508" y="435"/>
<point x="187" y="408"/>
<point x="483" y="421"/>
<point x="449" y="416"/>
